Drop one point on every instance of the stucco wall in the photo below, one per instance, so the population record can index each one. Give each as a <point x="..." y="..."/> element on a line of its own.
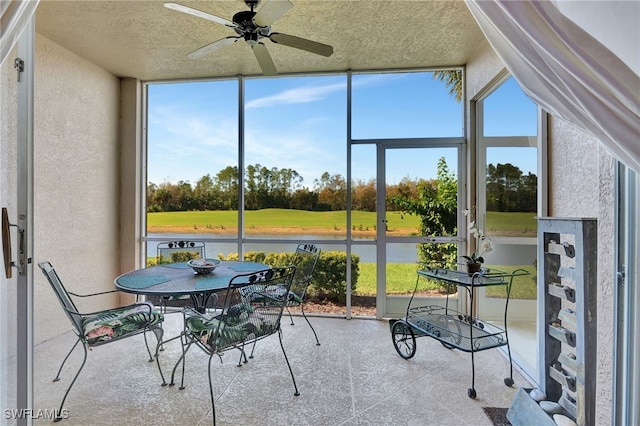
<point x="481" y="69"/>
<point x="606" y="284"/>
<point x="583" y="185"/>
<point x="75" y="180"/>
<point x="573" y="171"/>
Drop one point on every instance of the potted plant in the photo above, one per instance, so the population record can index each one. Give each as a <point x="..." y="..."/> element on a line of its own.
<point x="483" y="245"/>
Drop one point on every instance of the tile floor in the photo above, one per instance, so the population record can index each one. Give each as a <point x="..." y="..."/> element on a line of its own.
<point x="354" y="378"/>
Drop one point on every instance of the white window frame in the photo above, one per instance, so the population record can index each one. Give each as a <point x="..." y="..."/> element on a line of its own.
<point x="626" y="380"/>
<point x="482" y="143"/>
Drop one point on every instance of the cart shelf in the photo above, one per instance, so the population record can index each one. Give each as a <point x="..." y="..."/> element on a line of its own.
<point x="455" y="328"/>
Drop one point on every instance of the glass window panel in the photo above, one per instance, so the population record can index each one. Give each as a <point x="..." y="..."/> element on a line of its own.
<point x="363" y="298"/>
<point x="511" y="191"/>
<point x="363" y="191"/>
<point x="401" y="266"/>
<point x="328" y="298"/>
<point x="413" y="174"/>
<point x="295" y="153"/>
<point x="403" y="260"/>
<point x="192" y="153"/>
<point x="509" y="112"/>
<point x="510" y="122"/>
<point x="403" y="105"/>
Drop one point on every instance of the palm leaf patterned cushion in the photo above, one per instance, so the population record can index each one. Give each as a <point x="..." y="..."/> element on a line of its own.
<point x="293" y="299"/>
<point x="226" y="331"/>
<point x="271" y="294"/>
<point x="116" y="323"/>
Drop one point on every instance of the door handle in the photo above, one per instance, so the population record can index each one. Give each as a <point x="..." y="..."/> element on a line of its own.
<point x="6" y="246"/>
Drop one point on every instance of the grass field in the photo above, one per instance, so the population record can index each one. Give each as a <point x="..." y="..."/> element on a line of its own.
<point x="401" y="279"/>
<point x="269" y="219"/>
<point x="512" y="224"/>
<point x="321" y="223"/>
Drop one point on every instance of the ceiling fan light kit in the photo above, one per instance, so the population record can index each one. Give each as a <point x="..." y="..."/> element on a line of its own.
<point x="253" y="27"/>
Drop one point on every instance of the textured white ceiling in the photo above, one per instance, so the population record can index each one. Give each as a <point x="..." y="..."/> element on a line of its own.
<point x="145" y="40"/>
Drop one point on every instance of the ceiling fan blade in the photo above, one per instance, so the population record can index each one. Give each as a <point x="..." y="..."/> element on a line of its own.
<point x="271" y="11"/>
<point x="302" y="43"/>
<point x="264" y="59"/>
<point x="212" y="47"/>
<point x="200" y="14"/>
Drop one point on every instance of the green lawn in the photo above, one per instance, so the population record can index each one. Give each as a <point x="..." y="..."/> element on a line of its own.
<point x="401" y="279"/>
<point x="523" y="287"/>
<point x="278" y="218"/>
<point x="511" y="224"/>
<point x="514" y="224"/>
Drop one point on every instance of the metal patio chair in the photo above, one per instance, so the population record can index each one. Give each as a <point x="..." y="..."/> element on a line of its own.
<point x="305" y="261"/>
<point x="252" y="308"/>
<point x="103" y="327"/>
<point x="180" y="251"/>
<point x="175" y="252"/>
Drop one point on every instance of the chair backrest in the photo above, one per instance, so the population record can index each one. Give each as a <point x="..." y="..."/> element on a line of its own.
<point x="305" y="262"/>
<point x="180" y="251"/>
<point x="63" y="296"/>
<point x="253" y="307"/>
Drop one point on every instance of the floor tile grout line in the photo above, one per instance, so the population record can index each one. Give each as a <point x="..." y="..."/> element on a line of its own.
<point x="351" y="386"/>
<point x="356" y="413"/>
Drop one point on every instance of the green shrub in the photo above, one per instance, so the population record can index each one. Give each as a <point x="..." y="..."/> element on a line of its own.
<point x="184" y="256"/>
<point x="176" y="257"/>
<point x="329" y="277"/>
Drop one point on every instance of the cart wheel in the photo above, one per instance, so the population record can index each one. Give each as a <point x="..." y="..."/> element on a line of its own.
<point x="508" y="381"/>
<point x="472" y="393"/>
<point x="403" y="339"/>
<point x="447" y="345"/>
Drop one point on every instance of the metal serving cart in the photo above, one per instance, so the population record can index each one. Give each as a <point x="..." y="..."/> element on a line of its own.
<point x="454" y="329"/>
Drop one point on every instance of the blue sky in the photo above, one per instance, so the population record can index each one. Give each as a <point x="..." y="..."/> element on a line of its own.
<point x="300" y="123"/>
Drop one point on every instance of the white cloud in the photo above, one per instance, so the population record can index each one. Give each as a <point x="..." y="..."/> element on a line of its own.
<point x="304" y="153"/>
<point x="186" y="146"/>
<point x="298" y="95"/>
<point x="307" y="94"/>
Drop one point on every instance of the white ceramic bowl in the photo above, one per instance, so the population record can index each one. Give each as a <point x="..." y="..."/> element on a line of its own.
<point x="203" y="266"/>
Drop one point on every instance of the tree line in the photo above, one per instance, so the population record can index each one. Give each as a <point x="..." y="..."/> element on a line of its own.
<point x="508" y="189"/>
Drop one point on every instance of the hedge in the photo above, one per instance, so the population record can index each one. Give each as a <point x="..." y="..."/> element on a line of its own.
<point x="329" y="278"/>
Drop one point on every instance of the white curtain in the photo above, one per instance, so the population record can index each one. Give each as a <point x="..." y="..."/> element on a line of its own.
<point x="14" y="16"/>
<point x="567" y="71"/>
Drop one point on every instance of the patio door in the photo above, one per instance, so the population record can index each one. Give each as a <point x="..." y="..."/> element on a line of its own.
<point x="16" y="284"/>
<point x="410" y="174"/>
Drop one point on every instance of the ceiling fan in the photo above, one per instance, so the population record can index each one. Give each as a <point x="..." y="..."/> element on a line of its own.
<point x="253" y="27"/>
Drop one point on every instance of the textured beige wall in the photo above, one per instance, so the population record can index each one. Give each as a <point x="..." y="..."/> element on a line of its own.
<point x="583" y="185"/>
<point x="483" y="67"/>
<point x="132" y="183"/>
<point x="582" y="176"/>
<point x="76" y="180"/>
<point x="606" y="284"/>
<point x="573" y="171"/>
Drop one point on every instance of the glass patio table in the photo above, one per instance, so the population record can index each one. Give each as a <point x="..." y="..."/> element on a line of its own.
<point x="178" y="279"/>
